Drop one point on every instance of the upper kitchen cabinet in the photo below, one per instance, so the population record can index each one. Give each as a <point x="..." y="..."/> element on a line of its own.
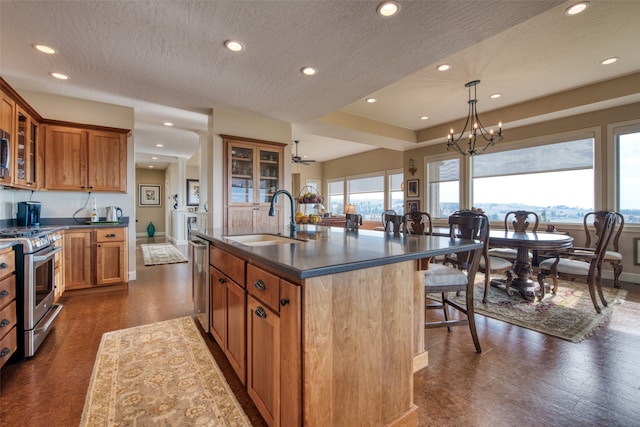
<point x="28" y="152"/>
<point x="254" y="172"/>
<point x="85" y="159"/>
<point x="7" y="117"/>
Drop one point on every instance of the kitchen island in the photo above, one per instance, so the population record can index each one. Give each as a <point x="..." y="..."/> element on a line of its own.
<point x="333" y="322"/>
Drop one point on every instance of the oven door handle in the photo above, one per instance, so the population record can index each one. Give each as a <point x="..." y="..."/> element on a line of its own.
<point x="52" y="252"/>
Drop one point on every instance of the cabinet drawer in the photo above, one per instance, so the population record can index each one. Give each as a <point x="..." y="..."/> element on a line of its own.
<point x="7" y="263"/>
<point x="7" y="319"/>
<point x="264" y="286"/>
<point x="110" y="234"/>
<point x="8" y="346"/>
<point x="7" y="290"/>
<point x="230" y="265"/>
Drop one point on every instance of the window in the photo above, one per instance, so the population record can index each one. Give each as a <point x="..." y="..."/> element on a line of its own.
<point x="556" y="181"/>
<point x="396" y="192"/>
<point x="335" y="202"/>
<point x="629" y="175"/>
<point x="367" y="194"/>
<point x="443" y="187"/>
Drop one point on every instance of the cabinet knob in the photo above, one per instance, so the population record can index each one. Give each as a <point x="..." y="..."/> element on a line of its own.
<point x="284" y="301"/>
<point x="4" y="265"/>
<point x="4" y="323"/>
<point x="5" y="351"/>
<point x="222" y="280"/>
<point x="261" y="313"/>
<point x="110" y="235"/>
<point x="4" y="293"/>
<point x="259" y="284"/>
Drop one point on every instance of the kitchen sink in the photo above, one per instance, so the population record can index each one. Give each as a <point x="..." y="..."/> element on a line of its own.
<point x="263" y="239"/>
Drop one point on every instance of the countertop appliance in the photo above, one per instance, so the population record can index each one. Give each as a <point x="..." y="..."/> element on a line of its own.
<point x="114" y="213"/>
<point x="35" y="284"/>
<point x="28" y="214"/>
<point x="199" y="250"/>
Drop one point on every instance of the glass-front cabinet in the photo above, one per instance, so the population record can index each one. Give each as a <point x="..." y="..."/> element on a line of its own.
<point x="26" y="150"/>
<point x="254" y="174"/>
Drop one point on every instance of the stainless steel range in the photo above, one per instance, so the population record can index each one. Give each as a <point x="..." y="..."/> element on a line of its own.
<point x="37" y="291"/>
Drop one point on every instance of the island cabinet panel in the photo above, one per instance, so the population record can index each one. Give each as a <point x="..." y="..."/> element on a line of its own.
<point x="228" y="307"/>
<point x="357" y="328"/>
<point x="263" y="360"/>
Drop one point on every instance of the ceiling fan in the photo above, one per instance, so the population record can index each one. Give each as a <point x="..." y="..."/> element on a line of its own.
<point x="298" y="159"/>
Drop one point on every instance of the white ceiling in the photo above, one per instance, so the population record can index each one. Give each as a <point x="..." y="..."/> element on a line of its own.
<point x="166" y="60"/>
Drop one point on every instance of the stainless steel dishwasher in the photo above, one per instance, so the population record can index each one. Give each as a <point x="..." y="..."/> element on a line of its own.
<point x="200" y="280"/>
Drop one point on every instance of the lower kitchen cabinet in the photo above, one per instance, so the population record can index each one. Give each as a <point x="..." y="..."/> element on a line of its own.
<point x="77" y="259"/>
<point x="228" y="305"/>
<point x="8" y="313"/>
<point x="110" y="256"/>
<point x="58" y="266"/>
<point x="95" y="257"/>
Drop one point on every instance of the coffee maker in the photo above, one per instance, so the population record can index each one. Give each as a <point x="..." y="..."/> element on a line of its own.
<point x="28" y="214"/>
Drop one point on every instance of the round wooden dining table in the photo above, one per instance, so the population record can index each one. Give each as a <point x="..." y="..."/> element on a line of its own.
<point x="523" y="243"/>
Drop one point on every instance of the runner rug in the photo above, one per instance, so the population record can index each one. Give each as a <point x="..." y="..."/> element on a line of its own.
<point x="568" y="315"/>
<point x="161" y="253"/>
<point x="161" y="374"/>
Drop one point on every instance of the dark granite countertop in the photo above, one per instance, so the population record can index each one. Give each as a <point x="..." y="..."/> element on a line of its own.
<point x="330" y="250"/>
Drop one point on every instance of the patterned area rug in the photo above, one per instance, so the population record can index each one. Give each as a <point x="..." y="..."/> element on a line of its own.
<point x="160" y="374"/>
<point x="568" y="315"/>
<point x="161" y="253"/>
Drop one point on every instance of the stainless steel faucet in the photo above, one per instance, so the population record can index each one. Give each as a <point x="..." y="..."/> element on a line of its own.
<point x="272" y="211"/>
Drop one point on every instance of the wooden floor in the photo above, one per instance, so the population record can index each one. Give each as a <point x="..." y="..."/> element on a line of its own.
<point x="522" y="378"/>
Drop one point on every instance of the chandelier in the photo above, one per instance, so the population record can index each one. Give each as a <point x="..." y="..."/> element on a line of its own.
<point x="476" y="129"/>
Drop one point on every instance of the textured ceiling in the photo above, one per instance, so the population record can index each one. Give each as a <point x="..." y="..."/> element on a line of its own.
<point x="166" y="59"/>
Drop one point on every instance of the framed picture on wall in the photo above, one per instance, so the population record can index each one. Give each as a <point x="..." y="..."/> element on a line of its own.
<point x="149" y="195"/>
<point x="413" y="206"/>
<point x="413" y="188"/>
<point x="193" y="192"/>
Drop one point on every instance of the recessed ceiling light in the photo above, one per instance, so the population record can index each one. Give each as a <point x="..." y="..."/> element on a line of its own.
<point x="234" y="45"/>
<point x="576" y="8"/>
<point x="168" y="124"/>
<point x="159" y="145"/>
<point x="495" y="96"/>
<point x="424" y="117"/>
<point x="59" y="76"/>
<point x="443" y="67"/>
<point x="388" y="9"/>
<point x="154" y="158"/>
<point x="609" y="61"/>
<point x="150" y="166"/>
<point x="45" y="49"/>
<point x="308" y="71"/>
<point x="371" y="100"/>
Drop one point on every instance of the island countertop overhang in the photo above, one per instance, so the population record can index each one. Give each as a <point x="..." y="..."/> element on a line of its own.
<point x="330" y="250"/>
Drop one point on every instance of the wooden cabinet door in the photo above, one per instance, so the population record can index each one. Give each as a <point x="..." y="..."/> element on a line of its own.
<point x="263" y="360"/>
<point x="7" y="118"/>
<point x="235" y="343"/>
<point x="107" y="161"/>
<point x="66" y="158"/>
<point x="77" y="259"/>
<point x="217" y="305"/>
<point x="290" y="355"/>
<point x="110" y="263"/>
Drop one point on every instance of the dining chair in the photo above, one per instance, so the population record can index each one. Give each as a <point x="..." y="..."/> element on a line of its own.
<point x="417" y="222"/>
<point x="578" y="263"/>
<point x="592" y="223"/>
<point x="519" y="221"/>
<point x="384" y="215"/>
<point x="393" y="223"/>
<point x="353" y="222"/>
<point x="494" y="265"/>
<point x="457" y="274"/>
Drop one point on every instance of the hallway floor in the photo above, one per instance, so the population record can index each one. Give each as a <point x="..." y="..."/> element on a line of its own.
<point x="522" y="377"/>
